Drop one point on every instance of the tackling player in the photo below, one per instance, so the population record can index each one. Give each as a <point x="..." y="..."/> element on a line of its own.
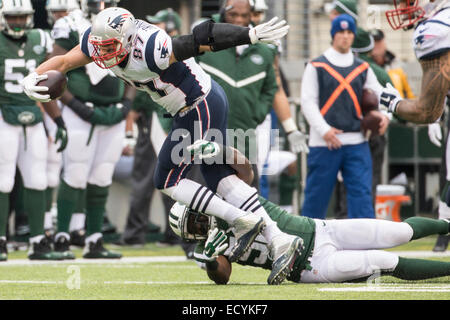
<point x="146" y="57"/>
<point x="333" y="250"/>
<point x="432" y="47"/>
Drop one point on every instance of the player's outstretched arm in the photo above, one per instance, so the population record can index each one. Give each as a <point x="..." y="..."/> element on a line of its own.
<point x="71" y="60"/>
<point x="211" y="36"/>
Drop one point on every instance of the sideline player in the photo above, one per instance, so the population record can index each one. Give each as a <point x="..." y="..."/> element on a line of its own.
<point x="432" y="48"/>
<point x="94" y="107"/>
<point x="334" y="250"/>
<point x="23" y="140"/>
<point x="146" y="57"/>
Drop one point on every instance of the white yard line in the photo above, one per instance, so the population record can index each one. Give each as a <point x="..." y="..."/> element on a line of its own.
<point x="124" y="260"/>
<point x="382" y="288"/>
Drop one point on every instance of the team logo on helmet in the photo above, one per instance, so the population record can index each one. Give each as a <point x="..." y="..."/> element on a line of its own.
<point x="117" y="22"/>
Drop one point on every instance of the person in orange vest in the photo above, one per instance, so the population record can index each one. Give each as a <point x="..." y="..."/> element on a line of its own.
<point x="332" y="90"/>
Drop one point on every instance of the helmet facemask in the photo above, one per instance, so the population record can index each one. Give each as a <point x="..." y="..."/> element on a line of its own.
<point x="108" y="53"/>
<point x="10" y="8"/>
<point x="189" y="224"/>
<point x="405" y="14"/>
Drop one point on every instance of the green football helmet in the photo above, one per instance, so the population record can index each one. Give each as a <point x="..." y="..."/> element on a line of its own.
<point x="91" y="8"/>
<point x="189" y="224"/>
<point x="59" y="5"/>
<point x="16" y="9"/>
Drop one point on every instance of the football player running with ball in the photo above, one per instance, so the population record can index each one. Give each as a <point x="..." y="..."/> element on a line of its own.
<point x="23" y="140"/>
<point x="147" y="58"/>
<point x="432" y="48"/>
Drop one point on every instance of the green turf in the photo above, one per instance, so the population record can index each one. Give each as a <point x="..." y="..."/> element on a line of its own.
<point x="185" y="280"/>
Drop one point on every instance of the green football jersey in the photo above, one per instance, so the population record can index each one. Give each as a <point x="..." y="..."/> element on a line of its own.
<point x="19" y="57"/>
<point x="258" y="254"/>
<point x="67" y="33"/>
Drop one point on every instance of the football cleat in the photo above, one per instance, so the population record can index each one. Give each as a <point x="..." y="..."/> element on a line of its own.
<point x="41" y="249"/>
<point x="62" y="245"/>
<point x="77" y="237"/>
<point x="285" y="249"/>
<point x="96" y="250"/>
<point x="247" y="229"/>
<point x="3" y="249"/>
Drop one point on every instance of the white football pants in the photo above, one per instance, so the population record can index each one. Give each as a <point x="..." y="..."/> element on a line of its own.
<point x="32" y="160"/>
<point x="93" y="163"/>
<point x="347" y="249"/>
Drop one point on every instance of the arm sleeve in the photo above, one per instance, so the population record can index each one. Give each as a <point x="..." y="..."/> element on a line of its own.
<point x="268" y="91"/>
<point x="158" y="51"/>
<point x="310" y="101"/>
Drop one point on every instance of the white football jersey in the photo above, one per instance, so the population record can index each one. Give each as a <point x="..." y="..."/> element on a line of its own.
<point x="174" y="86"/>
<point x="432" y="36"/>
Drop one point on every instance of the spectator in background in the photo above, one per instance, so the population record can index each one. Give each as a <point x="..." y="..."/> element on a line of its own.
<point x="386" y="59"/>
<point x="168" y="20"/>
<point x="363" y="46"/>
<point x="336" y="141"/>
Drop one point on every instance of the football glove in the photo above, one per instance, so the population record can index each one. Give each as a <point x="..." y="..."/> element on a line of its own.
<point x="215" y="244"/>
<point x="269" y="32"/>
<point x="298" y="142"/>
<point x="390" y="97"/>
<point x="29" y="84"/>
<point x="435" y="134"/>
<point x="204" y="149"/>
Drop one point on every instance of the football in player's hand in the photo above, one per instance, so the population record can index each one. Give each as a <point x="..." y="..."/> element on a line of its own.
<point x="371" y="124"/>
<point x="369" y="101"/>
<point x="56" y="83"/>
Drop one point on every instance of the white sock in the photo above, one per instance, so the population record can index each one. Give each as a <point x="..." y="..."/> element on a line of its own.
<point x="48" y="221"/>
<point x="245" y="197"/>
<point x="77" y="222"/>
<point x="93" y="237"/>
<point x="202" y="199"/>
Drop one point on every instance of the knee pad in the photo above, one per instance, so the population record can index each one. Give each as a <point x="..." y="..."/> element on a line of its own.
<point x="101" y="175"/>
<point x="75" y="175"/>
<point x="7" y="180"/>
<point x="37" y="180"/>
<point x="383" y="261"/>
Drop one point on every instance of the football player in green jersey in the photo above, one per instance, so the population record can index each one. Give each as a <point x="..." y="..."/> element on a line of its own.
<point x="95" y="106"/>
<point x="23" y="139"/>
<point x="333" y="250"/>
<point x="56" y="9"/>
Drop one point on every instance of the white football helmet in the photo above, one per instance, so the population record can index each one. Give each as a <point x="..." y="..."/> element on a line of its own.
<point x="183" y="219"/>
<point x="16" y="8"/>
<point x="59" y="5"/>
<point x="112" y="35"/>
<point x="91" y="8"/>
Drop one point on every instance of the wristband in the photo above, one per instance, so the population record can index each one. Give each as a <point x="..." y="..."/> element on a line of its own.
<point x="59" y="122"/>
<point x="289" y="125"/>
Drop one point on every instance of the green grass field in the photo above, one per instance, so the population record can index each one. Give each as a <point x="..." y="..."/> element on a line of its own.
<point x="170" y="277"/>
